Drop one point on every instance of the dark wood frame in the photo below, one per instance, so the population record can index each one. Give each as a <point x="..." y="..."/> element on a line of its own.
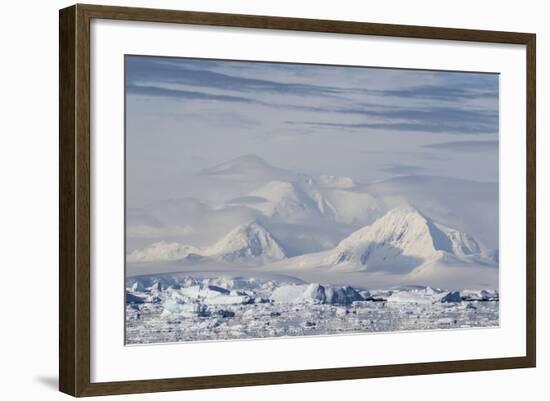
<point x="74" y="199"/>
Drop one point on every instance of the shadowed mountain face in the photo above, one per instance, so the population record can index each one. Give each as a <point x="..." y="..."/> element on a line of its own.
<point x="380" y="257"/>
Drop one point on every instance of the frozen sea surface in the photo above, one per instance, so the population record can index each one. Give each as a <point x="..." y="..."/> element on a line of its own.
<point x="183" y="307"/>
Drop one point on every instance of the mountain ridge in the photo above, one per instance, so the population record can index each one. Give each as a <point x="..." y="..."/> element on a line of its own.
<point x="398" y="243"/>
<point x="247" y="243"/>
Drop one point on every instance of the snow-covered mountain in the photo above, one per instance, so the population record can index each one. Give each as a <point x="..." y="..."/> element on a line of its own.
<point x="249" y="243"/>
<point x="287" y="201"/>
<point x="290" y="204"/>
<point x="402" y="239"/>
<point x="322" y="227"/>
<point x="254" y="168"/>
<point x="249" y="167"/>
<point x="306" y="199"/>
<point x="446" y="200"/>
<point x="399" y="242"/>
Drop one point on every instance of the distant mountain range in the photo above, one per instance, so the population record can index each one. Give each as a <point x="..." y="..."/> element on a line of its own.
<point x="402" y="241"/>
<point x="291" y="222"/>
<point x="248" y="167"/>
<point x="304" y="200"/>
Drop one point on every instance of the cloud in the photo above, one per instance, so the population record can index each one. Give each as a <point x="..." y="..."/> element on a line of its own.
<point x="181" y="94"/>
<point x="219" y="109"/>
<point x="145" y="231"/>
<point x="431" y="119"/>
<point x="439" y="92"/>
<point x="417" y="101"/>
<point x="403" y="169"/>
<point x="434" y="119"/>
<point x="196" y="73"/>
<point x="430" y="126"/>
<point x="465" y="146"/>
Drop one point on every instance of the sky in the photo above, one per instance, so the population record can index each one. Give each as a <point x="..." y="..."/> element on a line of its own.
<point x="185" y="115"/>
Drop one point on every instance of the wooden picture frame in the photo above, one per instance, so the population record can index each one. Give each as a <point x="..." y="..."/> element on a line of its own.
<point x="74" y="199"/>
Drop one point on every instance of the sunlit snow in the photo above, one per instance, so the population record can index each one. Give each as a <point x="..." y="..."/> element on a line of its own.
<point x="182" y="307"/>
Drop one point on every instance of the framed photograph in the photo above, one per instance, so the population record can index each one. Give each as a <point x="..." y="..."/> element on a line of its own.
<point x="249" y="200"/>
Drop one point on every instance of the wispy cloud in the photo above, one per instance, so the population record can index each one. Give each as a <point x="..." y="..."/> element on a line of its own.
<point x="426" y="125"/>
<point x="433" y="102"/>
<point x="465" y="146"/>
<point x="314" y="118"/>
<point x="403" y="169"/>
<point x="439" y="92"/>
<point x="181" y="94"/>
<point x="194" y="74"/>
<point x="435" y="120"/>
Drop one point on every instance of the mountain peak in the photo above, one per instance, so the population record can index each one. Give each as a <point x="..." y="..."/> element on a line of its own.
<point x="247" y="159"/>
<point x="285" y="200"/>
<point x="247" y="243"/>
<point x="251" y="166"/>
<point x="401" y="240"/>
<point x="406" y="211"/>
<point x="250" y="241"/>
<point x="394" y="221"/>
<point x="251" y="158"/>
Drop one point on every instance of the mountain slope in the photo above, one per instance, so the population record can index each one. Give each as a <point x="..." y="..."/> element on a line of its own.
<point x="305" y="199"/>
<point x="248" y="167"/>
<point x="306" y="213"/>
<point x="447" y="200"/>
<point x="286" y="201"/>
<point x="399" y="242"/>
<point x="247" y="243"/>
